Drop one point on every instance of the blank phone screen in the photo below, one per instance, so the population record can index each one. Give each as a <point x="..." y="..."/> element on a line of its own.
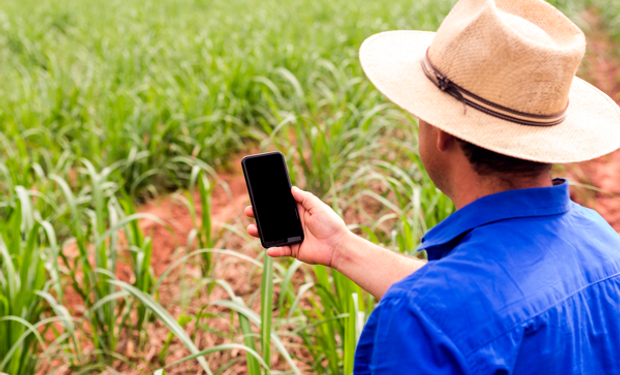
<point x="274" y="205"/>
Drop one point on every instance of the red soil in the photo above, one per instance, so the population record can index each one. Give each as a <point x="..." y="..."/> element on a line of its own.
<point x="604" y="174"/>
<point x="168" y="243"/>
<point x="172" y="211"/>
<point x="240" y="275"/>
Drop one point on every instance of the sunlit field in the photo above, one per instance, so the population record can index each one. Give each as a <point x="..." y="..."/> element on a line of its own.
<point x="106" y="105"/>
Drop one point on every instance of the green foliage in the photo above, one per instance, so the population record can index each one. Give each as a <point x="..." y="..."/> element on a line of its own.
<point x="105" y="103"/>
<point x="145" y="82"/>
<point x="27" y="309"/>
<point x="607" y="10"/>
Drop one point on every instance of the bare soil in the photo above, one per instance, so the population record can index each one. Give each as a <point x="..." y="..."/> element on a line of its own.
<point x="176" y="293"/>
<point x="224" y="208"/>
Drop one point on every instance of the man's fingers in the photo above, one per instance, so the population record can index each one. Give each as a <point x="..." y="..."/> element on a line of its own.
<point x="308" y="200"/>
<point x="249" y="211"/>
<point x="252" y="230"/>
<point x="284" y="251"/>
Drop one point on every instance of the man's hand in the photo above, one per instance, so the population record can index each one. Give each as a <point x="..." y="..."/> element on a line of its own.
<point x="323" y="231"/>
<point x="328" y="242"/>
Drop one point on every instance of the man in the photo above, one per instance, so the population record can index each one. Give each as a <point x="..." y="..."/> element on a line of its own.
<point x="520" y="280"/>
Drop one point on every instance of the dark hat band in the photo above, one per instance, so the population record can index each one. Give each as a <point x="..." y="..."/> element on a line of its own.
<point x="486" y="106"/>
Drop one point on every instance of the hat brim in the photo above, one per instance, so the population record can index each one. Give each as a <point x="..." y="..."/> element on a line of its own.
<point x="391" y="60"/>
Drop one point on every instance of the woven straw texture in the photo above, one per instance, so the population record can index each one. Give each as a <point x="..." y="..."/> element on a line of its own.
<point x="519" y="54"/>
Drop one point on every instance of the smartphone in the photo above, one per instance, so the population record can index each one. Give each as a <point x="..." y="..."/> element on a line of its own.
<point x="275" y="209"/>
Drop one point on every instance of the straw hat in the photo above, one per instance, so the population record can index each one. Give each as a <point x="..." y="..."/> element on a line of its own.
<point x="499" y="74"/>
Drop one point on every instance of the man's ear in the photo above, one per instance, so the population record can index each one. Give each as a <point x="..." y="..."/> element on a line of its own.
<point x="445" y="141"/>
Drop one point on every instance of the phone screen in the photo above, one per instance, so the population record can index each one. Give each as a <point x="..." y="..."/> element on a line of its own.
<point x="274" y="206"/>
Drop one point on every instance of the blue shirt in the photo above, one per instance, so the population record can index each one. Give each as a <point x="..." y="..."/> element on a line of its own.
<point x="521" y="282"/>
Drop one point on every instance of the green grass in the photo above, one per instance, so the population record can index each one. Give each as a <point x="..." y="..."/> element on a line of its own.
<point x="104" y="104"/>
<point x="27" y="307"/>
<point x="145" y="82"/>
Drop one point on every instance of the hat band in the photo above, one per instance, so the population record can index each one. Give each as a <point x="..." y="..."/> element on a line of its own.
<point x="486" y="106"/>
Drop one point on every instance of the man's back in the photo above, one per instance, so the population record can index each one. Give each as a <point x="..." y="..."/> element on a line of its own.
<point x="524" y="282"/>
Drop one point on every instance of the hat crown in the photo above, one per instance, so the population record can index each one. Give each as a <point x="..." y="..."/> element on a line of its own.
<point x="521" y="54"/>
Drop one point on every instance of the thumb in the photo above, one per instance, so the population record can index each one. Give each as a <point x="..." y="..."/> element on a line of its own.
<point x="284" y="251"/>
<point x="307" y="200"/>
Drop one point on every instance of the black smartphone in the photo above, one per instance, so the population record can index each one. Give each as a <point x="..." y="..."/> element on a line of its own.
<point x="275" y="209"/>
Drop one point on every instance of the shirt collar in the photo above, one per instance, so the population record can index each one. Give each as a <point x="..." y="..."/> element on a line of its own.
<point x="509" y="204"/>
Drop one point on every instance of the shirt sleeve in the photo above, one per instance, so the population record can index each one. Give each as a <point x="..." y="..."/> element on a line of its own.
<point x="400" y="339"/>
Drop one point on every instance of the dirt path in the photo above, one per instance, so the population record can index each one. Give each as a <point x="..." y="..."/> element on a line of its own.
<point x="604" y="174"/>
<point x="176" y="214"/>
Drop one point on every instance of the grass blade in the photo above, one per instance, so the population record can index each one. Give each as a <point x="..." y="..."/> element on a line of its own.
<point x="165" y="318"/>
<point x="218" y="348"/>
<point x="266" y="306"/>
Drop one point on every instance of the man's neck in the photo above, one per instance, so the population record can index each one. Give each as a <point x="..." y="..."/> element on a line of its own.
<point x="472" y="187"/>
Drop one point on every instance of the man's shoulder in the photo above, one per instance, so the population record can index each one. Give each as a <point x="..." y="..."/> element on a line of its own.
<point x="504" y="273"/>
<point x="509" y="252"/>
<point x="586" y="214"/>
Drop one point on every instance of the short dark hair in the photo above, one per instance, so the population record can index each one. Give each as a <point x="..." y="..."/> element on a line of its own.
<point x="486" y="162"/>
